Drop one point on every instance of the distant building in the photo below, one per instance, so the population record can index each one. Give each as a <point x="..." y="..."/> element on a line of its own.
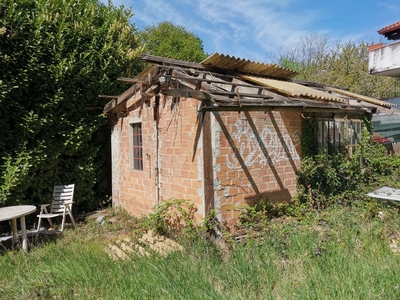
<point x="384" y="60"/>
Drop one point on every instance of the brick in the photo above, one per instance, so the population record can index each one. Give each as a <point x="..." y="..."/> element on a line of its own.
<point x="179" y="174"/>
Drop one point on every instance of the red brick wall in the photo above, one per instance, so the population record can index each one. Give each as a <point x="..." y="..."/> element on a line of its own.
<point x="255" y="155"/>
<point x="177" y="160"/>
<point x="180" y="151"/>
<point x="258" y="154"/>
<point x="137" y="189"/>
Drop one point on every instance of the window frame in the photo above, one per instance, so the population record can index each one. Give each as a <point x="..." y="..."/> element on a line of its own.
<point x="136" y="146"/>
<point x="340" y="134"/>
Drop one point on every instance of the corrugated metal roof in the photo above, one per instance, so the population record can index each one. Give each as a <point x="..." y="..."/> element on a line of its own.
<point x="387" y="126"/>
<point x="227" y="62"/>
<point x="363" y="98"/>
<point x="294" y="89"/>
<point x="389" y="28"/>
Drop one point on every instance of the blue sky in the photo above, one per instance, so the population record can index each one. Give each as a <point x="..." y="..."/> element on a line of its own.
<point x="255" y="29"/>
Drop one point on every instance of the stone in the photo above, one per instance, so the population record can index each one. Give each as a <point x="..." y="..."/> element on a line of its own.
<point x="100" y="219"/>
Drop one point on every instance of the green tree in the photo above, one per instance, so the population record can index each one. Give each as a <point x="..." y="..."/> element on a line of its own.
<point x="173" y="41"/>
<point x="339" y="64"/>
<point x="56" y="57"/>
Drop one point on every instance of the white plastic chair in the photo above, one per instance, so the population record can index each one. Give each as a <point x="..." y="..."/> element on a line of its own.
<point x="60" y="206"/>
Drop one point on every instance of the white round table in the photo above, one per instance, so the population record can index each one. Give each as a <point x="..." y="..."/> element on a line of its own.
<point x="14" y="212"/>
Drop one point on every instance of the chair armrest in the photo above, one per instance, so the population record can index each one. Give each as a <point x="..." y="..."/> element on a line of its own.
<point x="68" y="204"/>
<point x="43" y="208"/>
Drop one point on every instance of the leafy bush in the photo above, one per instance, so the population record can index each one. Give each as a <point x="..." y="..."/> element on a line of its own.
<point x="260" y="213"/>
<point x="56" y="58"/>
<point x="173" y="217"/>
<point x="318" y="177"/>
<point x="327" y="178"/>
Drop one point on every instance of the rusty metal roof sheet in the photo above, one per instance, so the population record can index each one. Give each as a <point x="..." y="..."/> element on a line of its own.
<point x="229" y="63"/>
<point x="362" y="98"/>
<point x="294" y="89"/>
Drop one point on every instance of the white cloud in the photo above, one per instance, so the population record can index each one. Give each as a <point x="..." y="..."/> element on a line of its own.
<point x="151" y="12"/>
<point x="252" y="28"/>
<point x="266" y="25"/>
<point x="390" y="7"/>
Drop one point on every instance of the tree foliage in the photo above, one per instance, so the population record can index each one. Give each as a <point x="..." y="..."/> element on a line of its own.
<point x="56" y="57"/>
<point x="173" y="41"/>
<point x="340" y="64"/>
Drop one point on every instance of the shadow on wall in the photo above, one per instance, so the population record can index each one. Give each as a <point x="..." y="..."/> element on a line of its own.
<point x="291" y="141"/>
<point x="268" y="147"/>
<point x="279" y="196"/>
<point x="238" y="155"/>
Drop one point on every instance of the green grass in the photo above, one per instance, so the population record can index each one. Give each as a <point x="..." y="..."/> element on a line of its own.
<point x="340" y="253"/>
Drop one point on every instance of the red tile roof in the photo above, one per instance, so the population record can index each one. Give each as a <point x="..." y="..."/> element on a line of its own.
<point x="389" y="28"/>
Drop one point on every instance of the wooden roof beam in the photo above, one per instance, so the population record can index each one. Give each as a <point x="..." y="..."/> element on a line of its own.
<point x="108" y="97"/>
<point x="169" y="61"/>
<point x="128" y="80"/>
<point x="187" y="93"/>
<point x="206" y="85"/>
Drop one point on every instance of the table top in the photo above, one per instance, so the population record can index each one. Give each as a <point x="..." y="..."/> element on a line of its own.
<point x="12" y="212"/>
<point x="387" y="193"/>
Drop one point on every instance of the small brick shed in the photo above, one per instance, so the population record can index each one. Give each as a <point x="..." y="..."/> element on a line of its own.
<point x="223" y="133"/>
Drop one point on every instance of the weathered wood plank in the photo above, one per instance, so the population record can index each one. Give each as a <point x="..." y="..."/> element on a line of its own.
<point x="128" y="80"/>
<point x="108" y="96"/>
<point x="242" y="94"/>
<point x="187" y="93"/>
<point x="259" y="91"/>
<point x="125" y="95"/>
<point x="288" y="103"/>
<point x="214" y="81"/>
<point x="170" y="61"/>
<point x="348" y="113"/>
<point x="208" y="163"/>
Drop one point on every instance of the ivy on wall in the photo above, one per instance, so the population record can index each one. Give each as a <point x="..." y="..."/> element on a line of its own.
<point x="309" y="136"/>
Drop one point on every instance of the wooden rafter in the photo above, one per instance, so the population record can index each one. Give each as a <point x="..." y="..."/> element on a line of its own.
<point x="170" y="61"/>
<point x="108" y="97"/>
<point x="127" y="80"/>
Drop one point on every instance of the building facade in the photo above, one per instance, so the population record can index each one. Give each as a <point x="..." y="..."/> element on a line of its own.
<point x="223" y="134"/>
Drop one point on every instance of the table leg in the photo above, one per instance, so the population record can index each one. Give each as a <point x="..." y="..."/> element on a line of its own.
<point x="24" y="238"/>
<point x="14" y="231"/>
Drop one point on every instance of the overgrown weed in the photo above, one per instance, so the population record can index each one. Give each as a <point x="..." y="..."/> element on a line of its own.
<point x="174" y="218"/>
<point x="341" y="252"/>
<point x="337" y="246"/>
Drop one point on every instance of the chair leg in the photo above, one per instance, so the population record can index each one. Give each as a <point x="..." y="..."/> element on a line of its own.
<point x="63" y="222"/>
<point x="39" y="222"/>
<point x="72" y="217"/>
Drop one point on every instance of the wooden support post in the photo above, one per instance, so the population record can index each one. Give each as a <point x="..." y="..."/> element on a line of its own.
<point x="208" y="163"/>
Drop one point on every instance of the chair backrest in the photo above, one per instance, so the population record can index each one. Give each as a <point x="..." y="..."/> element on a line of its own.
<point x="61" y="194"/>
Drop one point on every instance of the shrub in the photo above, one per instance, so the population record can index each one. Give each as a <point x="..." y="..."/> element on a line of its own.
<point x="173" y="217"/>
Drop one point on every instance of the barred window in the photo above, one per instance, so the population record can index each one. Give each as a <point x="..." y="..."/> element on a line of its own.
<point x="339" y="135"/>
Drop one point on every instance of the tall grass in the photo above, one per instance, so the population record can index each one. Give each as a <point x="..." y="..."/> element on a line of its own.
<point x="338" y="254"/>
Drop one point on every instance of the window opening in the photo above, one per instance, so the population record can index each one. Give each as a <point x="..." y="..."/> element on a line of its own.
<point x="137" y="149"/>
<point x="339" y="135"/>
